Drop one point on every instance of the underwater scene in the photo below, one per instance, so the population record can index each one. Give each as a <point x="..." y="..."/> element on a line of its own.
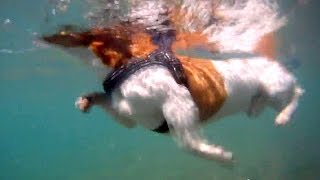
<point x="43" y="135"/>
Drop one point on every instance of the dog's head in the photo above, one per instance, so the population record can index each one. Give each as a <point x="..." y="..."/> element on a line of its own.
<point x="114" y="46"/>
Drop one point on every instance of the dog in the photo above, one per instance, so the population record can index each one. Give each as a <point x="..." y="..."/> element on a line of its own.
<point x="153" y="98"/>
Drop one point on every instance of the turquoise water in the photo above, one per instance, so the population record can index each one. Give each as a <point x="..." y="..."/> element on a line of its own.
<point x="42" y="135"/>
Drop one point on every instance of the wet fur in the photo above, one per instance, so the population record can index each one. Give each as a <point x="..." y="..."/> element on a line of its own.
<point x="151" y="94"/>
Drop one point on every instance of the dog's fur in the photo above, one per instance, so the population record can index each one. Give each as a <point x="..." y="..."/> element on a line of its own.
<point x="152" y="94"/>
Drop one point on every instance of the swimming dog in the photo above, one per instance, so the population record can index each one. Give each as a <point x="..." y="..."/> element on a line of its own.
<point x="179" y="99"/>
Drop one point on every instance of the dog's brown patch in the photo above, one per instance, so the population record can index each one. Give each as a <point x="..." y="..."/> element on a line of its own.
<point x="108" y="56"/>
<point x="267" y="46"/>
<point x="205" y="85"/>
<point x="115" y="55"/>
<point x="188" y="40"/>
<point x="141" y="45"/>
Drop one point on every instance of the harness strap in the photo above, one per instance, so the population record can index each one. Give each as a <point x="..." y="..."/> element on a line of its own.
<point x="158" y="57"/>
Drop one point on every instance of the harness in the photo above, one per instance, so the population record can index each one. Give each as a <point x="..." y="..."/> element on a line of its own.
<point x="160" y="57"/>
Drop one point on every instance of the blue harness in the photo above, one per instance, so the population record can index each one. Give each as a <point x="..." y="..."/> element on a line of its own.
<point x="158" y="57"/>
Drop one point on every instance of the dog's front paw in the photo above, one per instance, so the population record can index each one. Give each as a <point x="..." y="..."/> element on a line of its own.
<point x="225" y="156"/>
<point x="228" y="156"/>
<point x="282" y="119"/>
<point x="83" y="104"/>
<point x="228" y="160"/>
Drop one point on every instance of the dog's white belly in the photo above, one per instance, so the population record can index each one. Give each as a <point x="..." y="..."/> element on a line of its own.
<point x="144" y="111"/>
<point x="242" y="80"/>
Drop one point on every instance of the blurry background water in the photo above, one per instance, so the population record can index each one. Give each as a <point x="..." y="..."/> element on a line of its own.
<point x="42" y="136"/>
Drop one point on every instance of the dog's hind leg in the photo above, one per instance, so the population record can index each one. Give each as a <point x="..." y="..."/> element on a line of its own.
<point x="287" y="111"/>
<point x="182" y="118"/>
<point x="257" y="105"/>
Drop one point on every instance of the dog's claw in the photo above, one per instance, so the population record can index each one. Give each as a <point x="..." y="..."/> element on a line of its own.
<point x="82" y="104"/>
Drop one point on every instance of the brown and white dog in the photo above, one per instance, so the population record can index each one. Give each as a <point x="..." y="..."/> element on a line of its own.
<point x="215" y="88"/>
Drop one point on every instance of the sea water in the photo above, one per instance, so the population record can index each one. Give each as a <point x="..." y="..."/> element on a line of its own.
<point x="42" y="135"/>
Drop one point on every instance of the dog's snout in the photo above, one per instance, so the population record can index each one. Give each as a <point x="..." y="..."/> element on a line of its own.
<point x="66" y="39"/>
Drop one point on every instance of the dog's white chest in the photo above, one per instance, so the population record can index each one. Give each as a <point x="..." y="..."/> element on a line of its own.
<point x="142" y="95"/>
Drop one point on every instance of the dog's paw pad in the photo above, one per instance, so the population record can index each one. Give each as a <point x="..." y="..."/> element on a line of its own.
<point x="82" y="104"/>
